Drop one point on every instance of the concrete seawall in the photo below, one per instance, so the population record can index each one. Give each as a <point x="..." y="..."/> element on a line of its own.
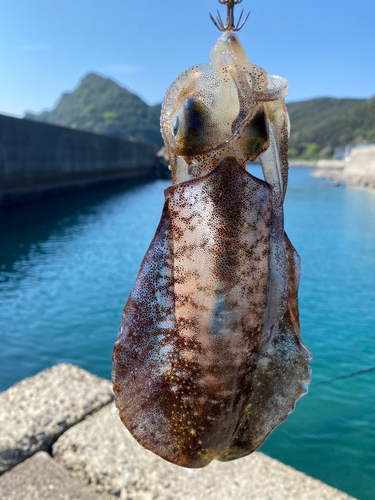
<point x="61" y="439"/>
<point x="36" y="158"/>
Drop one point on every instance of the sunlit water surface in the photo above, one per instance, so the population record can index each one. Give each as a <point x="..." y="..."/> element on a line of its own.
<point x="68" y="265"/>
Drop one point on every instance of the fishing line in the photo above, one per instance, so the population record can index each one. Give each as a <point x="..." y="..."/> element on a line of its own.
<point x="344" y="377"/>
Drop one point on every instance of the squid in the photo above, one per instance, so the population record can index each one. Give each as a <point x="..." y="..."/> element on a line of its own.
<point x="209" y="358"/>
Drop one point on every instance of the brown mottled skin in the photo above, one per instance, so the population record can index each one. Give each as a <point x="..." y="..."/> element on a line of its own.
<point x="209" y="359"/>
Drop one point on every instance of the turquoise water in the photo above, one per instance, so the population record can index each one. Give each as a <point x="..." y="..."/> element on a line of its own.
<point x="68" y="264"/>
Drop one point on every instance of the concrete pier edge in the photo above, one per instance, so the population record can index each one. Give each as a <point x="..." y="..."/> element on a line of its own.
<point x="69" y="413"/>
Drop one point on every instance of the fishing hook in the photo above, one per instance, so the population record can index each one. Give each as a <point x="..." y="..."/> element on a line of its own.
<point x="229" y="26"/>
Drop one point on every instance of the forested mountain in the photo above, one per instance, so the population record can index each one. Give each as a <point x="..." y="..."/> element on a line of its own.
<point x="318" y="125"/>
<point x="101" y="105"/>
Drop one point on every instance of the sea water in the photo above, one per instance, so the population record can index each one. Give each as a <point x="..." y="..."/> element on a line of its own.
<point x="68" y="264"/>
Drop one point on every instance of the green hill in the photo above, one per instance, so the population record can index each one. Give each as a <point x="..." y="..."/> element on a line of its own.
<point x="101" y="105"/>
<point x="318" y="125"/>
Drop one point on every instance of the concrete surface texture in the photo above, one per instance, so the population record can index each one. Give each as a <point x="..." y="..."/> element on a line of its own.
<point x="41" y="478"/>
<point x="34" y="150"/>
<point x="37" y="410"/>
<point x="100" y="451"/>
<point x="39" y="158"/>
<point x="70" y="413"/>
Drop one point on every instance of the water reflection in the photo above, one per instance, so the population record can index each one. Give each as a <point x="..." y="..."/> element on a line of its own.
<point x="67" y="267"/>
<point x="24" y="228"/>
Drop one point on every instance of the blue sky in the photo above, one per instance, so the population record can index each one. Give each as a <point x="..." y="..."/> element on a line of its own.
<point x="324" y="48"/>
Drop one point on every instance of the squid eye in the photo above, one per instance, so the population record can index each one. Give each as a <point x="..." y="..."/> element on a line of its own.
<point x="192" y="125"/>
<point x="256" y="136"/>
<point x="175" y="126"/>
<point x="193" y="112"/>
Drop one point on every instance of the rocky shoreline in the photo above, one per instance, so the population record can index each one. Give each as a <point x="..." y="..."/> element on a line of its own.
<point x="303" y="163"/>
<point x="358" y="170"/>
<point x="61" y="439"/>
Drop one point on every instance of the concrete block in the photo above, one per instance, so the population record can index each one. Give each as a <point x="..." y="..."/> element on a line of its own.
<point x="41" y="478"/>
<point x="100" y="451"/>
<point x="37" y="410"/>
